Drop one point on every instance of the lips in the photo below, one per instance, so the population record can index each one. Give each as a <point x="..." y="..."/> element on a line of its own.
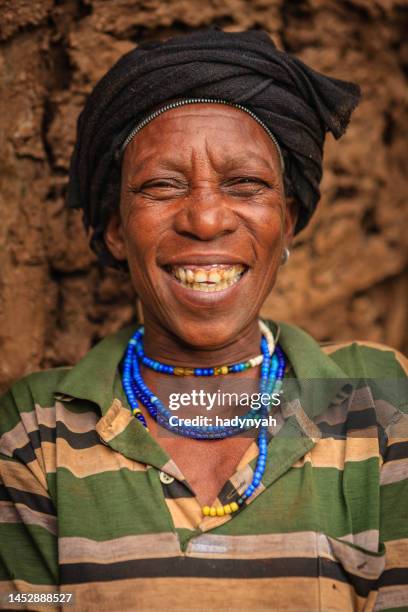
<point x="208" y="277"/>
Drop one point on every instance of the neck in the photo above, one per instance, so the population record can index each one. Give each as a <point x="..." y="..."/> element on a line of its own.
<point x="162" y="345"/>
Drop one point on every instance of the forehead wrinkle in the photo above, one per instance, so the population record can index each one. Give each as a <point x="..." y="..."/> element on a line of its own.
<point x="251" y="160"/>
<point x="247" y="160"/>
<point x="223" y="163"/>
<point x="214" y="151"/>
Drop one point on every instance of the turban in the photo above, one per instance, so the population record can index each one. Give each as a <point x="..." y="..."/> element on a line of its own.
<point x="297" y="104"/>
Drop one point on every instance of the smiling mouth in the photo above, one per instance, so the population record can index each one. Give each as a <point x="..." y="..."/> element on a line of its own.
<point x="208" y="278"/>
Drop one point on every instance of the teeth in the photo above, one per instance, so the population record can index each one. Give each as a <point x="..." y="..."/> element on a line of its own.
<point x="214" y="278"/>
<point x="182" y="275"/>
<point x="200" y="276"/>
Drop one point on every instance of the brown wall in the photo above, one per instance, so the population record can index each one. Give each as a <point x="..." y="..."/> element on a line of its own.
<point x="346" y="276"/>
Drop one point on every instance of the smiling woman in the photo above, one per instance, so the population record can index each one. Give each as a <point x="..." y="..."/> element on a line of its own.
<point x="206" y="181"/>
<point x="196" y="162"/>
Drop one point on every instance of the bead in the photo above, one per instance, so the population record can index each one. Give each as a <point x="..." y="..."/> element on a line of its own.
<point x="272" y="371"/>
<point x="136" y="345"/>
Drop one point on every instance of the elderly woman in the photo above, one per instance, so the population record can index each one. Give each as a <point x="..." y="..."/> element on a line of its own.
<point x="196" y="162"/>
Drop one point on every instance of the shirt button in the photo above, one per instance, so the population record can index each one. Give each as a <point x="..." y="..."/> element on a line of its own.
<point x="165" y="478"/>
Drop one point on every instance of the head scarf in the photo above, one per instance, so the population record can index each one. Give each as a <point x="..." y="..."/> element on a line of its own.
<point x="297" y="104"/>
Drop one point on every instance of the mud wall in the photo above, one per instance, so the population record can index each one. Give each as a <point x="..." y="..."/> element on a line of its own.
<point x="345" y="278"/>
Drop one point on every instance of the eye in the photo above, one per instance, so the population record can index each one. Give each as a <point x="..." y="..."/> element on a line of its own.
<point x="160" y="184"/>
<point x="159" y="189"/>
<point x="252" y="179"/>
<point x="246" y="185"/>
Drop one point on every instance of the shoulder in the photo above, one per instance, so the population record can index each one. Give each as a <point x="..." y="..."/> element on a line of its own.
<point x="353" y="358"/>
<point x="37" y="385"/>
<point x="371" y="359"/>
<point x="92" y="379"/>
<point x="382" y="367"/>
<point x="378" y="368"/>
<point x="36" y="390"/>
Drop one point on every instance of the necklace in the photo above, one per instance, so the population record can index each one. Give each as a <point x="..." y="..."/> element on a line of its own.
<point x="165" y="368"/>
<point x="272" y="372"/>
<point x="136" y="390"/>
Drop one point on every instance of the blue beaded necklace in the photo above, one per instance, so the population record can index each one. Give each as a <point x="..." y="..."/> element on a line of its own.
<point x="165" y="368"/>
<point x="272" y="372"/>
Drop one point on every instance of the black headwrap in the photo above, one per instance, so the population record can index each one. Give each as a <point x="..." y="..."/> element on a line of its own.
<point x="298" y="104"/>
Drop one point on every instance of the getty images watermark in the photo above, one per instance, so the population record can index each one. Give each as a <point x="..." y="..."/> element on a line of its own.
<point x="219" y="399"/>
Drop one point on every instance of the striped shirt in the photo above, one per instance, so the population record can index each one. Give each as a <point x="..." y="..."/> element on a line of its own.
<point x="90" y="503"/>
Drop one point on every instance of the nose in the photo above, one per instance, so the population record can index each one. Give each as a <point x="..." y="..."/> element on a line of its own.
<point x="205" y="216"/>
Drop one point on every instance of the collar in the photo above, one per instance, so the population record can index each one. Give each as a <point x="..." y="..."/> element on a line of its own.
<point x="317" y="379"/>
<point x="95" y="377"/>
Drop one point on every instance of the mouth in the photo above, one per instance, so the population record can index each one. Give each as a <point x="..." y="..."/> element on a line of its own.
<point x="207" y="278"/>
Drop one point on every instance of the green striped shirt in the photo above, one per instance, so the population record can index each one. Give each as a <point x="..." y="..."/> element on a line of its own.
<point x="90" y="503"/>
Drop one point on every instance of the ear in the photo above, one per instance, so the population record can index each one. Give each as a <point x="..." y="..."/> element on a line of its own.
<point x="114" y="238"/>
<point x="291" y="217"/>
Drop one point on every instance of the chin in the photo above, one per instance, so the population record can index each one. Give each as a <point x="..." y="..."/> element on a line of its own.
<point x="205" y="313"/>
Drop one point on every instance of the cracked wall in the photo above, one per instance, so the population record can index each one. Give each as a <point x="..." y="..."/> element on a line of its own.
<point x="347" y="274"/>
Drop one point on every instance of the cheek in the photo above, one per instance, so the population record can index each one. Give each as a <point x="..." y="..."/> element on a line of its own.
<point x="142" y="230"/>
<point x="267" y="229"/>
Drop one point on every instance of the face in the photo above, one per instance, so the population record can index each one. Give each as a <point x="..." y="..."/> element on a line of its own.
<point x="202" y="221"/>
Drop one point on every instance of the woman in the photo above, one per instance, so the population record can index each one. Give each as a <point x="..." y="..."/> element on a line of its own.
<point x="196" y="162"/>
